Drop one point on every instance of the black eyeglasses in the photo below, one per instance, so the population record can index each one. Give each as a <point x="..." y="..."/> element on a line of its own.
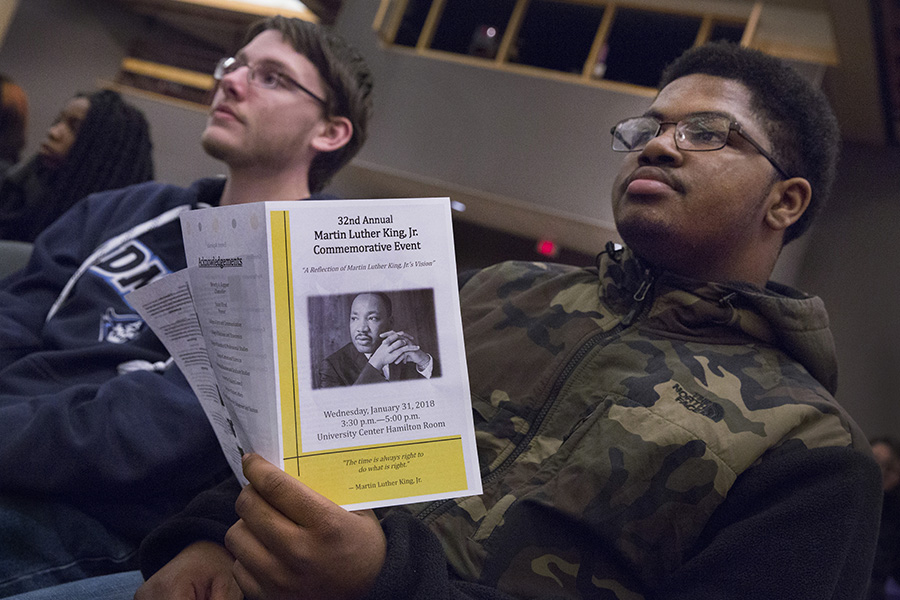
<point x="264" y="76"/>
<point x="696" y="133"/>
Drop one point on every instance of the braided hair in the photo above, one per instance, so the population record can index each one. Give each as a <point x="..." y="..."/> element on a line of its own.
<point x="112" y="149"/>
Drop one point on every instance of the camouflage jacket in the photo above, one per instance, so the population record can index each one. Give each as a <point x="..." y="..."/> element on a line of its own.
<point x="616" y="408"/>
<point x="640" y="436"/>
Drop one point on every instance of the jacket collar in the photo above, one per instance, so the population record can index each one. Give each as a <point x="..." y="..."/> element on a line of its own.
<point x="726" y="313"/>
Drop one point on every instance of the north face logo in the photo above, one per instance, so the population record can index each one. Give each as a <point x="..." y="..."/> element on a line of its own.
<point x="698" y="404"/>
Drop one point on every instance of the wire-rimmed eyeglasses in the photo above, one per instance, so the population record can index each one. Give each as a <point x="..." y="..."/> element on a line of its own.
<point x="264" y="76"/>
<point x="696" y="133"/>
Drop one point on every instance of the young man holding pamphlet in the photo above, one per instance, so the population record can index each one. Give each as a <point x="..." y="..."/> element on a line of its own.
<point x="100" y="437"/>
<point x="659" y="427"/>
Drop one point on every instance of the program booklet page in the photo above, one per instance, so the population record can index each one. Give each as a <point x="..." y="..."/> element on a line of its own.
<point x="276" y="324"/>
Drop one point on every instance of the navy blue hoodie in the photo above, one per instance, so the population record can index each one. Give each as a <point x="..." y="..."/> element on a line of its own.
<point x="92" y="413"/>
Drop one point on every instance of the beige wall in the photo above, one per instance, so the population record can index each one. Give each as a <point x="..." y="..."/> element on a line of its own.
<point x="852" y="263"/>
<point x="7" y="9"/>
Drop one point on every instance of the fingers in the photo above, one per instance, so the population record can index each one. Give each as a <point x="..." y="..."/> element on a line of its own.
<point x="292" y="542"/>
<point x="403" y="348"/>
<point x="281" y="522"/>
<point x="406" y="354"/>
<point x="263" y="534"/>
<point x="399" y="334"/>
<point x="247" y="582"/>
<point x="398" y="344"/>
<point x="202" y="571"/>
<point x="251" y="557"/>
<point x="388" y="351"/>
<point x="280" y="493"/>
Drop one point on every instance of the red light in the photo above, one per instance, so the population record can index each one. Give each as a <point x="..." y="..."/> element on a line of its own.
<point x="547" y="248"/>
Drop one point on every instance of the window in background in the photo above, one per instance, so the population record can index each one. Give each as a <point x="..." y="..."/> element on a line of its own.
<point x="592" y="40"/>
<point x="412" y="23"/>
<point x="171" y="56"/>
<point x="557" y="36"/>
<point x="472" y="27"/>
<point x="641" y="43"/>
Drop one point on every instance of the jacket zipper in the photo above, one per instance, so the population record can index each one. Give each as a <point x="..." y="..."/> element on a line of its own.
<point x="637" y="309"/>
<point x="437" y="508"/>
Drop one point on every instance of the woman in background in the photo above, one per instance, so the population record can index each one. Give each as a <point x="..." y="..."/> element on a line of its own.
<point x="98" y="142"/>
<point x="13" y="122"/>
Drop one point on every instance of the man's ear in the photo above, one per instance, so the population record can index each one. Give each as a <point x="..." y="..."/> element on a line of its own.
<point x="789" y="200"/>
<point x="335" y="133"/>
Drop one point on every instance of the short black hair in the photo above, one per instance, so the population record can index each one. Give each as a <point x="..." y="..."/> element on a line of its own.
<point x="795" y="114"/>
<point x="348" y="84"/>
<point x="385" y="300"/>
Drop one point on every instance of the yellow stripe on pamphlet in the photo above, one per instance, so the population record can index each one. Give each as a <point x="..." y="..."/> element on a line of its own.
<point x="285" y="334"/>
